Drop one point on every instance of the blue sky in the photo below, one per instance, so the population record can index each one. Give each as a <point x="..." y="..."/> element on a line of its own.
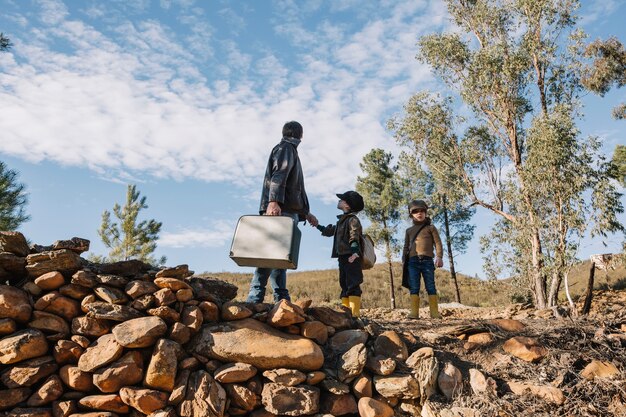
<point x="185" y="99"/>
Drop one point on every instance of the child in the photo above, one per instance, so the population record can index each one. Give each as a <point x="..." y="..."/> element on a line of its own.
<point x="417" y="258"/>
<point x="347" y="248"/>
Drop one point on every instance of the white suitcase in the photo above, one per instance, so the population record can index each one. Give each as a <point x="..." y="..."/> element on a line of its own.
<point x="266" y="242"/>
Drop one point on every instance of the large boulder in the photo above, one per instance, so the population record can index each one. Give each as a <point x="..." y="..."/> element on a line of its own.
<point x="258" y="344"/>
<point x="22" y="345"/>
<point x="204" y="397"/>
<point x="211" y="289"/>
<point x="14" y="242"/>
<point x="14" y="304"/>
<point x="65" y="261"/>
<point x="139" y="333"/>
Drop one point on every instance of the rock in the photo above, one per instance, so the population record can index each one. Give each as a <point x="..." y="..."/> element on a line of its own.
<point x="450" y="381"/>
<point x="180" y="387"/>
<point x="362" y="386"/>
<point x="290" y="401"/>
<point x="128" y="268"/>
<point x="184" y="295"/>
<point x="81" y="340"/>
<point x="525" y="348"/>
<point x="338" y="405"/>
<point x="343" y="341"/>
<point x="75" y="244"/>
<point x="369" y="407"/>
<point x="112" y="280"/>
<point x="161" y="371"/>
<point x="22" y="345"/>
<point x="192" y="318"/>
<point x="210" y="311"/>
<point x="14" y="304"/>
<point x="210" y="289"/>
<point x="28" y="373"/>
<point x="11" y="397"/>
<point x="50" y="281"/>
<point x="285" y="313"/>
<point x="166" y="313"/>
<point x="481" y="338"/>
<point x="508" y="325"/>
<point x="110" y="295"/>
<point x="339" y="320"/>
<point x="242" y="397"/>
<point x="180" y="333"/>
<point x="546" y="392"/>
<point x="144" y="302"/>
<point x="136" y="289"/>
<point x="128" y="370"/>
<point x="49" y="323"/>
<point x="481" y="384"/>
<point x="67" y="351"/>
<point x="109" y="402"/>
<point x="391" y="345"/>
<point x="89" y="326"/>
<point x="143" y="400"/>
<point x="352" y="363"/>
<point x="315" y="377"/>
<point x="164" y="297"/>
<point x="106" y="311"/>
<point x="397" y="386"/>
<point x="235" y="311"/>
<point x="380" y="365"/>
<point x="49" y="391"/>
<point x="315" y="330"/>
<point x="173" y="284"/>
<point x="599" y="369"/>
<point x="7" y="326"/>
<point x="102" y="352"/>
<point x="63" y="408"/>
<point x="426" y="370"/>
<point x="76" y="379"/>
<point x="77" y="292"/>
<point x="55" y="303"/>
<point x="178" y="272"/>
<point x="139" y="333"/>
<point x="12" y="268"/>
<point x="235" y="372"/>
<point x="14" y="242"/>
<point x="30" y="412"/>
<point x="288" y="377"/>
<point x="204" y="397"/>
<point x="65" y="261"/>
<point x="258" y="344"/>
<point x="85" y="278"/>
<point x="334" y="386"/>
<point x="459" y="412"/>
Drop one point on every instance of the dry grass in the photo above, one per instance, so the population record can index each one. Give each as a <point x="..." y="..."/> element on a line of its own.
<point x="322" y="286"/>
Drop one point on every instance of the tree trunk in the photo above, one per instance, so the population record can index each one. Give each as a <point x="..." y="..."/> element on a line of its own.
<point x="392" y="294"/>
<point x="539" y="279"/>
<point x="555" y="286"/>
<point x="449" y="246"/>
<point x="589" y="293"/>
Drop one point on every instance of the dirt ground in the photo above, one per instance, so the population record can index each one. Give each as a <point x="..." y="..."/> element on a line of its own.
<point x="572" y="342"/>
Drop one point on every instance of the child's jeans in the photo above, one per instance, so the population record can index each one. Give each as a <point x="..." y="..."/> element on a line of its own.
<point x="350" y="276"/>
<point x="424" y="266"/>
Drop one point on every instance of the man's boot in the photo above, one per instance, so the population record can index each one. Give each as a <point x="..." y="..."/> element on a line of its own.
<point x="415" y="307"/>
<point x="355" y="305"/>
<point x="345" y="301"/>
<point x="433" y="302"/>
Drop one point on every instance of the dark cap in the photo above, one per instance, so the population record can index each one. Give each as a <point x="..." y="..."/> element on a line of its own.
<point x="417" y="204"/>
<point x="354" y="200"/>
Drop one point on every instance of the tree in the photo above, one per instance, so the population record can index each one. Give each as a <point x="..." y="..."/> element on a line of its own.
<point x="447" y="208"/>
<point x="509" y="63"/>
<point x="13" y="199"/>
<point x="382" y="197"/>
<point x="5" y="43"/>
<point x="129" y="239"/>
<point x="607" y="69"/>
<point x="619" y="164"/>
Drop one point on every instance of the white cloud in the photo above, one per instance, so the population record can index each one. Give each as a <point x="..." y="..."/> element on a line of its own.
<point x="219" y="235"/>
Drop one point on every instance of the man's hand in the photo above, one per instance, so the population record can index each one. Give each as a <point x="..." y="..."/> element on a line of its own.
<point x="312" y="219"/>
<point x="353" y="258"/>
<point x="438" y="262"/>
<point x="273" y="209"/>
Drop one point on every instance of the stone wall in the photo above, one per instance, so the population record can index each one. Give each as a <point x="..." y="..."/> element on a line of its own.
<point x="83" y="339"/>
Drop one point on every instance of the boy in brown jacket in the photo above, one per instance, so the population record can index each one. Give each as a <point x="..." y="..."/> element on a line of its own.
<point x="418" y="258"/>
<point x="348" y="234"/>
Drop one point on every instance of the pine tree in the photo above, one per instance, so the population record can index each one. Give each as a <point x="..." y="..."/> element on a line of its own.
<point x="382" y="196"/>
<point x="5" y="43"/>
<point x="129" y="239"/>
<point x="13" y="200"/>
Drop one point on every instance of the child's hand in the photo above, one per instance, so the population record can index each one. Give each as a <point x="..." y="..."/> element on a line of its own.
<point x="312" y="220"/>
<point x="353" y="257"/>
<point x="438" y="262"/>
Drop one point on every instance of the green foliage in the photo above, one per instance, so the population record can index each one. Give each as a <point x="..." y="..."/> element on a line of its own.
<point x="5" y="43"/>
<point x="13" y="200"/>
<point x="619" y="164"/>
<point x="129" y="239"/>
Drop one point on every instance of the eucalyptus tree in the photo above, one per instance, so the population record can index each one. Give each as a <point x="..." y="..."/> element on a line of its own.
<point x="516" y="66"/>
<point x="382" y="196"/>
<point x="607" y="70"/>
<point x="129" y="239"/>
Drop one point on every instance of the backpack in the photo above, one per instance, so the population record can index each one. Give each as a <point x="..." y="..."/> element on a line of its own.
<point x="369" y="253"/>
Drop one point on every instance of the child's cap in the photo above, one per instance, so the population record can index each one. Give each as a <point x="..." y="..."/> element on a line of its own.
<point x="417" y="204"/>
<point x="354" y="200"/>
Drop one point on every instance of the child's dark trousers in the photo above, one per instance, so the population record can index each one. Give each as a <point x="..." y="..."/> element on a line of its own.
<point x="350" y="276"/>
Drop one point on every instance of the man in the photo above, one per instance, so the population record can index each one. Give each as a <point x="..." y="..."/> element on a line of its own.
<point x="283" y="195"/>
